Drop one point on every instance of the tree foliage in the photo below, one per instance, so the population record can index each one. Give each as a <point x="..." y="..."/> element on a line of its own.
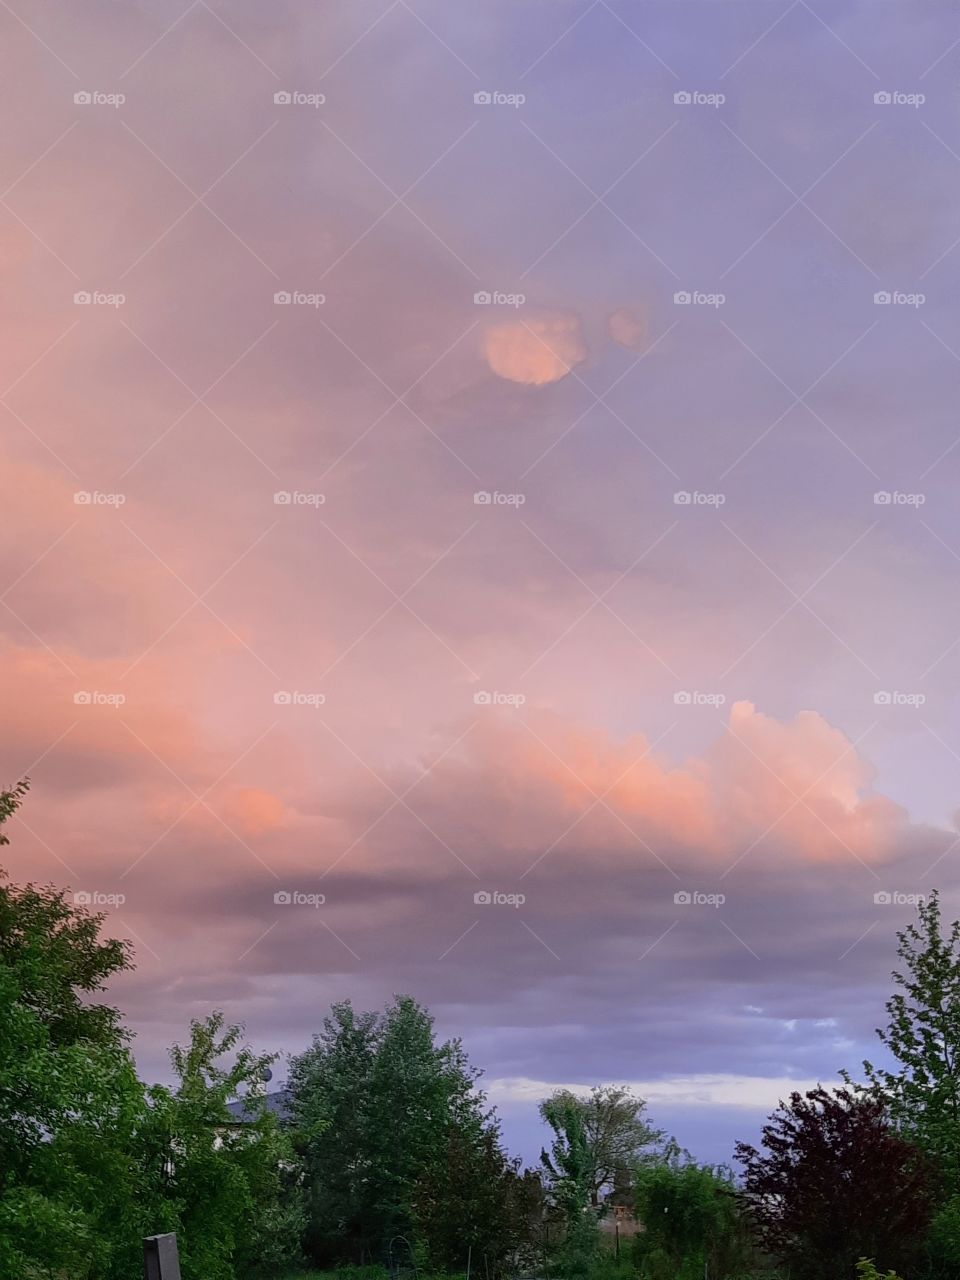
<point x="922" y="1092"/>
<point x="91" y="1160"/>
<point x="693" y="1221"/>
<point x="396" y="1141"/>
<point x="611" y="1124"/>
<point x="835" y="1183"/>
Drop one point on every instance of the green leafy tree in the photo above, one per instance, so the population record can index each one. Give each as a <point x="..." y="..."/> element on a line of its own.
<point x="395" y="1141"/>
<point x="616" y="1134"/>
<point x="867" y="1271"/>
<point x="71" y="1107"/>
<point x="922" y="1093"/>
<point x="693" y="1223"/>
<point x="475" y="1201"/>
<point x="568" y="1168"/>
<point x="329" y="1087"/>
<point x="90" y="1160"/>
<point x="226" y="1184"/>
<point x="569" y="1164"/>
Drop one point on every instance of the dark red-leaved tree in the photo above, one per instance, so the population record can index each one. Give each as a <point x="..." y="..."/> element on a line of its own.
<point x="834" y="1183"/>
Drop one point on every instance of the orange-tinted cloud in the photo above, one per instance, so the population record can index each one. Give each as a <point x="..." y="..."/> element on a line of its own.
<point x="535" y="351"/>
<point x="628" y="326"/>
<point x="794" y="791"/>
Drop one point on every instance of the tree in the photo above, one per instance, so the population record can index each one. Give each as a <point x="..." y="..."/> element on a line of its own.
<point x="91" y="1160"/>
<point x="569" y="1167"/>
<point x="836" y="1183"/>
<point x="396" y="1141"/>
<point x="693" y="1223"/>
<point x="71" y="1107"/>
<point x="569" y="1164"/>
<point x="224" y="1183"/>
<point x="923" y="1035"/>
<point x="616" y="1135"/>
<point x="329" y="1086"/>
<point x="54" y="954"/>
<point x="475" y="1201"/>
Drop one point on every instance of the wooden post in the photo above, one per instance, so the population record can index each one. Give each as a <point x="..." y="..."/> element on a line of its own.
<point x="160" y="1258"/>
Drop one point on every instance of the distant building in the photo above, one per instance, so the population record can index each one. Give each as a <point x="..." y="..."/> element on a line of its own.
<point x="619" y="1219"/>
<point x="277" y="1103"/>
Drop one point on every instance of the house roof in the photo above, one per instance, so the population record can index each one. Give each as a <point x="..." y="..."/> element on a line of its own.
<point x="277" y="1103"/>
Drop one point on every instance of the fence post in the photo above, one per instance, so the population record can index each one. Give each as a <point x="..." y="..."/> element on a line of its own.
<point x="160" y="1258"/>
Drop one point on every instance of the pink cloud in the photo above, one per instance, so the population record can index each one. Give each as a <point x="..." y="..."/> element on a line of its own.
<point x="535" y="351"/>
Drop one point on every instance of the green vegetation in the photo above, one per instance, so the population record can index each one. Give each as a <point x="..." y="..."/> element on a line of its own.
<point x="391" y="1165"/>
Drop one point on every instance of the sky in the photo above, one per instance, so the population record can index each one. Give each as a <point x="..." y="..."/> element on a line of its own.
<point x="479" y="520"/>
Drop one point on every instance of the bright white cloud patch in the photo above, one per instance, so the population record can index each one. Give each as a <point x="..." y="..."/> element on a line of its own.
<point x="535" y="351"/>
<point x="747" y="1093"/>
